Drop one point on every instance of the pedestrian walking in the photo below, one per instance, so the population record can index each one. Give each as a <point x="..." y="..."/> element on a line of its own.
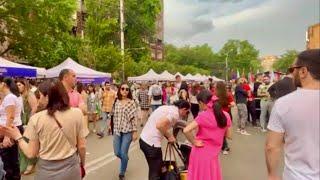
<point x="82" y="91"/>
<point x="241" y="100"/>
<point x="29" y="108"/>
<point x="10" y="115"/>
<point x="226" y="102"/>
<point x="212" y="124"/>
<point x="107" y="99"/>
<point x="55" y="135"/>
<point x="251" y="107"/>
<point x="155" y="96"/>
<point x="69" y="80"/>
<point x="193" y="99"/>
<point x="92" y="103"/>
<point x="294" y="124"/>
<point x="125" y="126"/>
<point x="158" y="125"/>
<point x="266" y="103"/>
<point x="144" y="103"/>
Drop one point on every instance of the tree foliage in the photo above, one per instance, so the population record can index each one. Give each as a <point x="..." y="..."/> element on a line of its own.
<point x="37" y="30"/>
<point x="285" y="60"/>
<point x="241" y="56"/>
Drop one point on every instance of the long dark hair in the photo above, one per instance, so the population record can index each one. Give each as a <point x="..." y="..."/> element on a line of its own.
<point x="93" y="88"/>
<point x="221" y="92"/>
<point x="119" y="92"/>
<point x="205" y="97"/>
<point x="11" y="85"/>
<point x="58" y="99"/>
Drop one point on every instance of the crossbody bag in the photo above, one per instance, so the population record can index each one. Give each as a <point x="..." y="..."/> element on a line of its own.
<point x="83" y="172"/>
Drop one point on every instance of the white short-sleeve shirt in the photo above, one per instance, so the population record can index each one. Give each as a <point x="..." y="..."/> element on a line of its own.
<point x="150" y="134"/>
<point x="297" y="116"/>
<point x="9" y="100"/>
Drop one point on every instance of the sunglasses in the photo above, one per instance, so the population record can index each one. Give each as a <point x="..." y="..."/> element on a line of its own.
<point x="291" y="69"/>
<point x="127" y="89"/>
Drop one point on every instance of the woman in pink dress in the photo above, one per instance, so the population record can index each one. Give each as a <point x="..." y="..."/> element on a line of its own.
<point x="213" y="124"/>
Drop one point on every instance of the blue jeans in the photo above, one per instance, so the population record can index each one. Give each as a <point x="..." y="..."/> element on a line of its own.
<point x="121" y="146"/>
<point x="105" y="121"/>
<point x="154" y="107"/>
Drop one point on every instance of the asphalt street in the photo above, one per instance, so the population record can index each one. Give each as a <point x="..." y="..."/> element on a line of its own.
<point x="246" y="160"/>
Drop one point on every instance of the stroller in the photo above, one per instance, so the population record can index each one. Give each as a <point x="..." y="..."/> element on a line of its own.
<point x="184" y="149"/>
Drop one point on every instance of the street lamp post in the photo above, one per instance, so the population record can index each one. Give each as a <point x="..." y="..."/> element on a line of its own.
<point x="227" y="67"/>
<point x="122" y="36"/>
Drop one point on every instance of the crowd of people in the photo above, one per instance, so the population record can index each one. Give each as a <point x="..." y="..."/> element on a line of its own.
<point x="47" y="123"/>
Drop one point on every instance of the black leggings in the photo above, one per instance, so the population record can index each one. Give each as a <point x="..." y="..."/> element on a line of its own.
<point x="10" y="159"/>
<point x="154" y="158"/>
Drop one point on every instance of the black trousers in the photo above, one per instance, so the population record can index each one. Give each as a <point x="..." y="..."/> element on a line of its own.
<point x="194" y="109"/>
<point x="10" y="159"/>
<point x="251" y="106"/>
<point x="154" y="158"/>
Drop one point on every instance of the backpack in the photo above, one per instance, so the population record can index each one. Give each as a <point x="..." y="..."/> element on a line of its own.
<point x="156" y="93"/>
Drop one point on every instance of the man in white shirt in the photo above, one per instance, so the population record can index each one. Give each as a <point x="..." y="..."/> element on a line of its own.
<point x="157" y="127"/>
<point x="294" y="123"/>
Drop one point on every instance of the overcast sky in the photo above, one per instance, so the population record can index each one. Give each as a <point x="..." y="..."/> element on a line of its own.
<point x="273" y="26"/>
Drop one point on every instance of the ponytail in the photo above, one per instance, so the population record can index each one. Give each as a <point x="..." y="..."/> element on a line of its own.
<point x="205" y="96"/>
<point x="220" y="116"/>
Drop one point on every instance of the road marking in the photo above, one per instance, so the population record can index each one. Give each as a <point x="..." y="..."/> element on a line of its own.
<point x="104" y="160"/>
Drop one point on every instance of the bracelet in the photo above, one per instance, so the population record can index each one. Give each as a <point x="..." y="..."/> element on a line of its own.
<point x="18" y="139"/>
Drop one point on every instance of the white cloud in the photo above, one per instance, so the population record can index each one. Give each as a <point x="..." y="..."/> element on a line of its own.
<point x="273" y="25"/>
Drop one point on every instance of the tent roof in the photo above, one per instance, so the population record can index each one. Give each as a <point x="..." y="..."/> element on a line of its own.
<point x="6" y="63"/>
<point x="165" y="75"/>
<point x="149" y="76"/>
<point x="81" y="71"/>
<point x="216" y="79"/>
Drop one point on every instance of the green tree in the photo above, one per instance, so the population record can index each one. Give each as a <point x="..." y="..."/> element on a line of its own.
<point x="241" y="55"/>
<point x="38" y="31"/>
<point x="285" y="60"/>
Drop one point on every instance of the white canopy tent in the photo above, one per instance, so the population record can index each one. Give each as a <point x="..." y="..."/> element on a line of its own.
<point x="81" y="71"/>
<point x="149" y="76"/>
<point x="188" y="77"/>
<point x="216" y="79"/>
<point x="40" y="72"/>
<point x="166" y="76"/>
<point x="178" y="73"/>
<point x="198" y="77"/>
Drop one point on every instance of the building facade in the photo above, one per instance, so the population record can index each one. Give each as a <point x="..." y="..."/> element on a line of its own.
<point x="268" y="61"/>
<point x="313" y="37"/>
<point x="157" y="47"/>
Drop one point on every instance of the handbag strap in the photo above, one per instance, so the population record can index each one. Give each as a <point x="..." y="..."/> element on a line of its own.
<point x="171" y="151"/>
<point x="61" y="128"/>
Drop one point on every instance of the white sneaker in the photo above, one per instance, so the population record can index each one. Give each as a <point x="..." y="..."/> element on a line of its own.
<point x="238" y="130"/>
<point x="243" y="132"/>
<point x="225" y="152"/>
<point x="263" y="130"/>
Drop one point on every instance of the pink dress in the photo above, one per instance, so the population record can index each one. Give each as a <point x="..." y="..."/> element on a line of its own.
<point x="204" y="162"/>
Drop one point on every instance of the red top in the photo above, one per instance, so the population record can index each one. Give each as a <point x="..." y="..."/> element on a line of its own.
<point x="247" y="88"/>
<point x="230" y="100"/>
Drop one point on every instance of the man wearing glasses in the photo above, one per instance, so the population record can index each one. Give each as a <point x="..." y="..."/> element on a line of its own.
<point x="294" y="123"/>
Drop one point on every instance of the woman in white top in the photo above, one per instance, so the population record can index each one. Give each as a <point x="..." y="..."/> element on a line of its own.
<point x="10" y="115"/>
